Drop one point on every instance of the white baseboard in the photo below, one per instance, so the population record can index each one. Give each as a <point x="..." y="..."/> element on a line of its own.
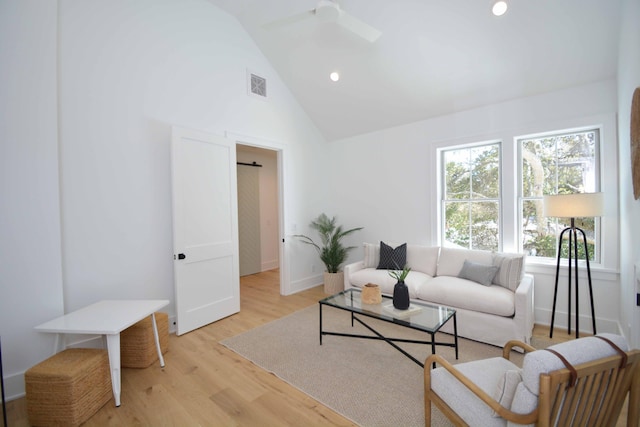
<point x="543" y="317"/>
<point x="306" y="283"/>
<point x="270" y="265"/>
<point x="14" y="386"/>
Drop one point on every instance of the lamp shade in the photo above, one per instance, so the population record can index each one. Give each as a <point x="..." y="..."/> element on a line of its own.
<point x="579" y="205"/>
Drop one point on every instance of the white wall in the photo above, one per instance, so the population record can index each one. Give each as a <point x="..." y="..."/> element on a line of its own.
<point x="386" y="181"/>
<point x="130" y="70"/>
<point x="127" y="72"/>
<point x="628" y="81"/>
<point x="30" y="254"/>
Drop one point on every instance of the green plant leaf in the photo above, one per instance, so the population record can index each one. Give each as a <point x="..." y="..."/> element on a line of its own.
<point x="400" y="275"/>
<point x="330" y="249"/>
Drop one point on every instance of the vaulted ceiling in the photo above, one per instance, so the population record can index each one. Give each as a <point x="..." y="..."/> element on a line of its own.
<point x="433" y="57"/>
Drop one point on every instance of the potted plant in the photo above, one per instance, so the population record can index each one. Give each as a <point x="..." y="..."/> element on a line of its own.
<point x="400" y="290"/>
<point x="331" y="250"/>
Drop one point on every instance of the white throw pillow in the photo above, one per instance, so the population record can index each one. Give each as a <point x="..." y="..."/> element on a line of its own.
<point x="371" y="255"/>
<point x="510" y="270"/>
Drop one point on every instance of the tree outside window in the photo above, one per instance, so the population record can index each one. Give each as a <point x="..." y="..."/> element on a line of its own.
<point x="471" y="197"/>
<point x="557" y="164"/>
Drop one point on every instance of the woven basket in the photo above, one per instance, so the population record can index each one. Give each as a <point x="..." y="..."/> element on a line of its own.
<point x="138" y="345"/>
<point x="333" y="282"/>
<point x="68" y="388"/>
<point x="371" y="294"/>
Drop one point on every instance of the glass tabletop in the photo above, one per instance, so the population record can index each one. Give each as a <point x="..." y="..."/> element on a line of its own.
<point x="423" y="316"/>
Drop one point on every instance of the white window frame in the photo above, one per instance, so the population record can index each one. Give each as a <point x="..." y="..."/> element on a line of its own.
<point x="609" y="224"/>
<point x="441" y="181"/>
<point x="598" y="184"/>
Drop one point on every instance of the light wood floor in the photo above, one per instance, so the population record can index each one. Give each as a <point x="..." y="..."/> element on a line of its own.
<point x="204" y="383"/>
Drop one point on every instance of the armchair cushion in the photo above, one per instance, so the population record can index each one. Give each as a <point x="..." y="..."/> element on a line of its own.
<point x="507" y="388"/>
<point x="523" y="400"/>
<point x="486" y="374"/>
<point x="539" y="362"/>
<point x="575" y="351"/>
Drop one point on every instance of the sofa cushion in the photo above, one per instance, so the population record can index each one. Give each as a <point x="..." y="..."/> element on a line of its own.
<point x="423" y="258"/>
<point x="510" y="270"/>
<point x="451" y="260"/>
<point x="463" y="293"/>
<point x="392" y="258"/>
<point x="414" y="280"/>
<point x="481" y="273"/>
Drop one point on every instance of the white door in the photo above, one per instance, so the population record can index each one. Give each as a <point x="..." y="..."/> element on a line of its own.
<point x="205" y="228"/>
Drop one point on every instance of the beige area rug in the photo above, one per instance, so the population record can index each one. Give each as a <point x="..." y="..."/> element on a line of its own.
<point x="366" y="381"/>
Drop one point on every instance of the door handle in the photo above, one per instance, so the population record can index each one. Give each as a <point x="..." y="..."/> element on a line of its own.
<point x="181" y="256"/>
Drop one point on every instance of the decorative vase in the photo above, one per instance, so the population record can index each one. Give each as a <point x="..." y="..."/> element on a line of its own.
<point x="371" y="294"/>
<point x="401" y="296"/>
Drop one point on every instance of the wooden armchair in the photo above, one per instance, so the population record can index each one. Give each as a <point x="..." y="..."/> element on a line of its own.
<point x="582" y="382"/>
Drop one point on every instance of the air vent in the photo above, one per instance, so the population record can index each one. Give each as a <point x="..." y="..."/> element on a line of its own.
<point x="257" y="85"/>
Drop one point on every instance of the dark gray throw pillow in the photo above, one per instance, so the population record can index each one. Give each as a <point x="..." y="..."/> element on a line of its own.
<point x="392" y="259"/>
<point x="480" y="273"/>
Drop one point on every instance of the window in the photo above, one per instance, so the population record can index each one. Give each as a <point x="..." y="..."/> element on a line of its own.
<point x="563" y="163"/>
<point x="471" y="196"/>
<point x="489" y="194"/>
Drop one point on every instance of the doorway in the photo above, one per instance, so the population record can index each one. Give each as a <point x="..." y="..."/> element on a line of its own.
<point x="258" y="209"/>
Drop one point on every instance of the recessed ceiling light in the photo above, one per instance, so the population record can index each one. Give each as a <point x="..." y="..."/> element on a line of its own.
<point x="499" y="8"/>
<point x="334" y="76"/>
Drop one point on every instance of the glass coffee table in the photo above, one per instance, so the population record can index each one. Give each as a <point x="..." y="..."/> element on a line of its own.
<point x="423" y="317"/>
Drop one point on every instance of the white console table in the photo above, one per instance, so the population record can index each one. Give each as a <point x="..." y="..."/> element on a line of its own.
<point x="107" y="318"/>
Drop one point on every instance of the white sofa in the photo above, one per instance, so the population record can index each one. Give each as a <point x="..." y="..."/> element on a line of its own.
<point x="493" y="313"/>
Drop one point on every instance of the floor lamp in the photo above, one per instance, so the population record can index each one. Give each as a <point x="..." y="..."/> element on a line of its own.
<point x="581" y="205"/>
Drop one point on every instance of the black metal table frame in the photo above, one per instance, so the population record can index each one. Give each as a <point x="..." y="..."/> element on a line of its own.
<point x="392" y="341"/>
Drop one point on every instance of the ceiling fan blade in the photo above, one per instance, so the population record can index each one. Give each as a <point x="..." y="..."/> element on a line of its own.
<point x="358" y="27"/>
<point x="283" y="22"/>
